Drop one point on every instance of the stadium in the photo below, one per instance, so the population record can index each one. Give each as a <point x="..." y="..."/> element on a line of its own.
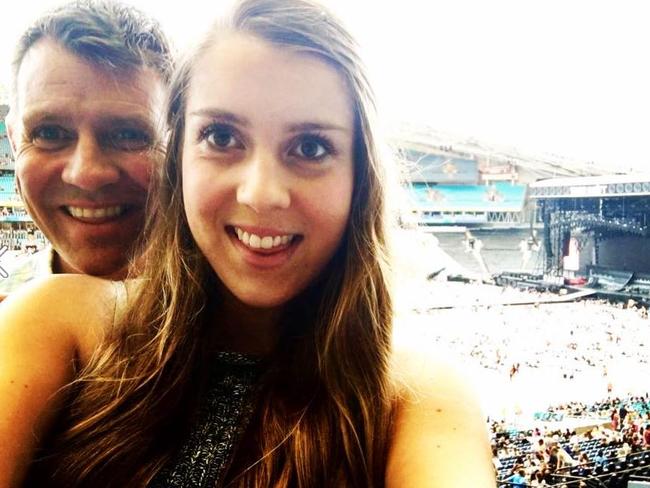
<point x="554" y="328"/>
<point x="559" y="344"/>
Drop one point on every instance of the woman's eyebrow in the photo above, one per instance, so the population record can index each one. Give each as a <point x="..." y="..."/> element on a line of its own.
<point x="315" y="126"/>
<point x="221" y="115"/>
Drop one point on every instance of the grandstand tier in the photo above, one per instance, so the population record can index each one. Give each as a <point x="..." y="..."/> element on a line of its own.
<point x="16" y="227"/>
<point x="467" y="204"/>
<point x="6" y="160"/>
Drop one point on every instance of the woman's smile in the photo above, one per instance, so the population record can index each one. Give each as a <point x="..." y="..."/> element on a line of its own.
<point x="263" y="249"/>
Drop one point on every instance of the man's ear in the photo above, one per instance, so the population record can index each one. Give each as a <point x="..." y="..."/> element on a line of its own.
<point x="12" y="134"/>
<point x="10" y="121"/>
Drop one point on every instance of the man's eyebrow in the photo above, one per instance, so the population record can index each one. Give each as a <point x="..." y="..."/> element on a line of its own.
<point x="106" y="120"/>
<point x="138" y="121"/>
<point x="40" y="117"/>
<point x="221" y="116"/>
<point x="316" y="126"/>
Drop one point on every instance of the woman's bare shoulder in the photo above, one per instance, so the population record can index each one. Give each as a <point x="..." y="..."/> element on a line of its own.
<point x="429" y="375"/>
<point x="439" y="425"/>
<point x="76" y="308"/>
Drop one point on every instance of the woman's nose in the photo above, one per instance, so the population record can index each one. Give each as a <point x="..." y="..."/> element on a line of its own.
<point x="264" y="185"/>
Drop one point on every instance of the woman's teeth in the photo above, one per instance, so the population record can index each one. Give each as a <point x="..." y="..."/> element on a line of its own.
<point x="262" y="242"/>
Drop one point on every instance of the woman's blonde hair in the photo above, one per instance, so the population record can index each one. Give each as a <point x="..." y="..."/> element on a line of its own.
<point x="325" y="407"/>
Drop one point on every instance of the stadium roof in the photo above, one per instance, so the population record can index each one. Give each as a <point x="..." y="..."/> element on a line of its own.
<point x="426" y="139"/>
<point x="592" y="186"/>
<point x="436" y="168"/>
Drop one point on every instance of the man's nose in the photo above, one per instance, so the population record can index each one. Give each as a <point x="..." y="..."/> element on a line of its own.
<point x="264" y="185"/>
<point x="91" y="166"/>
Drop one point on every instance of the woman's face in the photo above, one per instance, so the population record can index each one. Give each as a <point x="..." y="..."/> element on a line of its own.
<point x="267" y="166"/>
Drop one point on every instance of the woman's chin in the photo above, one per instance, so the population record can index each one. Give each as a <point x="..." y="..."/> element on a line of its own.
<point x="262" y="300"/>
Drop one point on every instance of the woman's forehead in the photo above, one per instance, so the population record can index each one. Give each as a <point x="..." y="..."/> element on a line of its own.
<point x="243" y="73"/>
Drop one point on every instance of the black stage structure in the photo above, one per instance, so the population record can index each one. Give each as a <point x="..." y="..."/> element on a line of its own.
<point x="596" y="235"/>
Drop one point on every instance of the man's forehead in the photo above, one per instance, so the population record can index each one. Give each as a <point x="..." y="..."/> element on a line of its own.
<point x="48" y="51"/>
<point x="49" y="73"/>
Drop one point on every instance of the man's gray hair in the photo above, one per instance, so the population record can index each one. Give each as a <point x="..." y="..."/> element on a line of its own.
<point x="106" y="33"/>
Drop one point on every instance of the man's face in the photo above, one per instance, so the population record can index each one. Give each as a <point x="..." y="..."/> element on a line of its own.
<point x="85" y="141"/>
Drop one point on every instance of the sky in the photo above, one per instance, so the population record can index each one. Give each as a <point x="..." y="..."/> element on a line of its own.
<point x="563" y="77"/>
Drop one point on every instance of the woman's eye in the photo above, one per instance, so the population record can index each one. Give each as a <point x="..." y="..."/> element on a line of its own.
<point x="129" y="139"/>
<point x="310" y="148"/>
<point x="221" y="137"/>
<point x="51" y="137"/>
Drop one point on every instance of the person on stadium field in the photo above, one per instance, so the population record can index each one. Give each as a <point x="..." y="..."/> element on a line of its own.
<point x="86" y="126"/>
<point x="255" y="347"/>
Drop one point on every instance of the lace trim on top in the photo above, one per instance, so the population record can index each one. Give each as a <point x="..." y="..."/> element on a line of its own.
<point x="223" y="416"/>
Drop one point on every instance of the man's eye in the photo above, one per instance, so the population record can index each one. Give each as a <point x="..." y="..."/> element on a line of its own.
<point x="311" y="147"/>
<point x="221" y="137"/>
<point x="50" y="137"/>
<point x="128" y="139"/>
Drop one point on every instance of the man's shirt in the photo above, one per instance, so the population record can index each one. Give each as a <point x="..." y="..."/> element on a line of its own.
<point x="25" y="268"/>
<point x="518" y="481"/>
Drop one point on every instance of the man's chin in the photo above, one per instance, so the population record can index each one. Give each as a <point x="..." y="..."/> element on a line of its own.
<point x="102" y="265"/>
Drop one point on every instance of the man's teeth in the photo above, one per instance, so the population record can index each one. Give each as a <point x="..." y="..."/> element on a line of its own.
<point x="96" y="213"/>
<point x="266" y="242"/>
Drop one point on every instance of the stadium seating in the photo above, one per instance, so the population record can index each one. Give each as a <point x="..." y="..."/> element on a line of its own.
<point x="500" y="196"/>
<point x="613" y="472"/>
<point x="8" y="193"/>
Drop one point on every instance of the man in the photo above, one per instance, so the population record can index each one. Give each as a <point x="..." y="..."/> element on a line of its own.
<point x="518" y="479"/>
<point x="86" y="126"/>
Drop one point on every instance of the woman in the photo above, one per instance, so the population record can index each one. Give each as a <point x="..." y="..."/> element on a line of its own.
<point x="255" y="347"/>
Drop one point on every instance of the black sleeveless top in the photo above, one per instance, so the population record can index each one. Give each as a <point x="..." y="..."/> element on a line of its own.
<point x="223" y="416"/>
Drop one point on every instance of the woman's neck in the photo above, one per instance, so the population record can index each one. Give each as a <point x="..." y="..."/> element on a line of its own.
<point x="246" y="329"/>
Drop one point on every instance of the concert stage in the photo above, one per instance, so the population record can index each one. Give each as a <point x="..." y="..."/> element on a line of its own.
<point x="596" y="236"/>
